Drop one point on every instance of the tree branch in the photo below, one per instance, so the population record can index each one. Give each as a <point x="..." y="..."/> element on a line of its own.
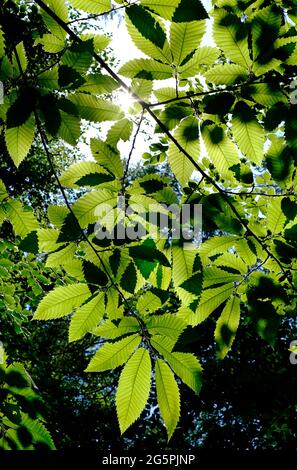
<point x="189" y="96"/>
<point x="99" y="15"/>
<point x="242" y="193"/>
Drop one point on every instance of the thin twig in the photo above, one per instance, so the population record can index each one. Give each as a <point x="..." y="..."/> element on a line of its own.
<point x="99" y="15"/>
<point x="131" y="152"/>
<point x="252" y="271"/>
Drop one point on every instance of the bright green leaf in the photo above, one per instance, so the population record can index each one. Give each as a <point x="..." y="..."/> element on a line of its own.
<point x="113" y="355"/>
<point x="19" y="140"/>
<point x="85" y="318"/>
<point x="133" y="389"/>
<point x="168" y="396"/>
<point x="60" y="301"/>
<point x="227" y="325"/>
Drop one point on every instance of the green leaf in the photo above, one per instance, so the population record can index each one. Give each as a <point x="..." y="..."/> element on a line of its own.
<point x="168" y="396"/>
<point x="114" y="310"/>
<point x="39" y="434"/>
<point x="19" y="60"/>
<point x="133" y="389"/>
<point x="193" y="284"/>
<point x="245" y="249"/>
<point x="147" y="33"/>
<point x="279" y="160"/>
<point x="265" y="30"/>
<point x="203" y="56"/>
<point x="96" y="109"/>
<point x="147" y="25"/>
<point x="243" y="173"/>
<point x="147" y="69"/>
<point x="113" y="355"/>
<point x="148" y="253"/>
<point x="221" y="150"/>
<point x="216" y="245"/>
<point x="165" y="325"/>
<point x="2" y="43"/>
<point x="3" y="191"/>
<point x="145" y="267"/>
<point x="115" y="261"/>
<point x="69" y="129"/>
<point x="227" y="325"/>
<point x="172" y="115"/>
<point x="74" y="269"/>
<point x="92" y="6"/>
<point x="79" y="56"/>
<point x="266" y="94"/>
<point x="291" y="127"/>
<point x="109" y="330"/>
<point x="231" y="260"/>
<point x="69" y="78"/>
<point x="226" y="74"/>
<point x="19" y="140"/>
<point x="185" y="365"/>
<point x="148" y="303"/>
<point x="248" y="133"/>
<point x="187" y="136"/>
<point x="23" y="221"/>
<point x="179" y="11"/>
<point x="212" y="299"/>
<point x="51" y="43"/>
<point x="2" y="215"/>
<point x="100" y="41"/>
<point x="61" y="257"/>
<point x="166" y="93"/>
<point x="121" y="130"/>
<point x="86" y="208"/>
<point x="75" y="174"/>
<point x="142" y="88"/>
<point x="98" y="84"/>
<point x="231" y="35"/>
<point x="107" y="156"/>
<point x="185" y="38"/>
<point x="61" y="301"/>
<point x="30" y="243"/>
<point x="94" y="276"/>
<point x="47" y="239"/>
<point x="183" y="264"/>
<point x="86" y="317"/>
<point x="213" y="276"/>
<point x="95" y="179"/>
<point x="21" y="109"/>
<point x="57" y="214"/>
<point x="60" y="8"/>
<point x="49" y="79"/>
<point x="218" y="103"/>
<point x="129" y="279"/>
<point x="275" y="216"/>
<point x="164" y="8"/>
<point x="189" y="10"/>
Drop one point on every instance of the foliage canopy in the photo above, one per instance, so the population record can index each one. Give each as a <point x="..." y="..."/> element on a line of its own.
<point x="226" y="125"/>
